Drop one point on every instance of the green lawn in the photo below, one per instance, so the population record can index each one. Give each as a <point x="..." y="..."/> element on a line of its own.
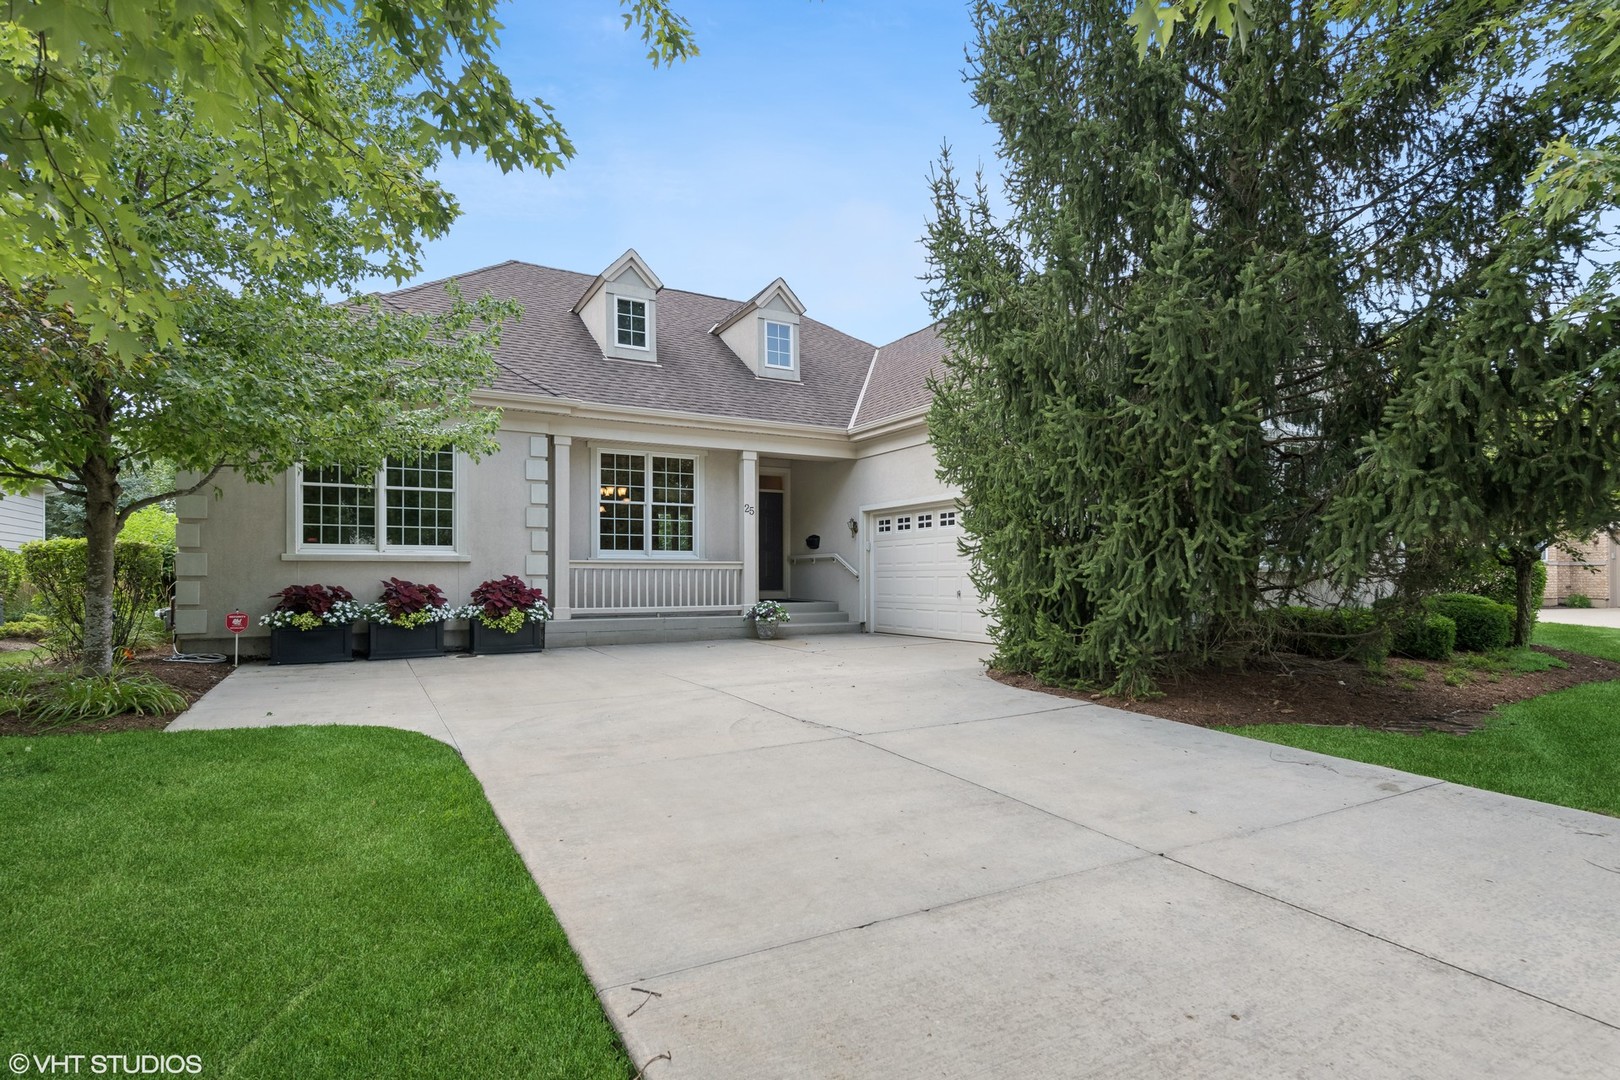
<point x="287" y="902"/>
<point x="1562" y="748"/>
<point x="17" y="657"/>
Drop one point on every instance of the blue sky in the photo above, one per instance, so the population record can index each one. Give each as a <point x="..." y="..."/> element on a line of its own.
<point x="797" y="144"/>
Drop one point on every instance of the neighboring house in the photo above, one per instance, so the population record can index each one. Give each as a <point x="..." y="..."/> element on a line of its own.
<point x="1590" y="568"/>
<point x="667" y="458"/>
<point x="22" y="518"/>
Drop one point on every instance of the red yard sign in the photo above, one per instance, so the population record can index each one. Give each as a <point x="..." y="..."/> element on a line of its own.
<point x="236" y="622"/>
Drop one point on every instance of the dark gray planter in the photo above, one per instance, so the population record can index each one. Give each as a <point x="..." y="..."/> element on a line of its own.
<point x="405" y="643"/>
<point x="323" y="645"/>
<point x="487" y="642"/>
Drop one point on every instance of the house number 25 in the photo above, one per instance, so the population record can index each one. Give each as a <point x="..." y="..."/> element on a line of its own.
<point x="748" y="508"/>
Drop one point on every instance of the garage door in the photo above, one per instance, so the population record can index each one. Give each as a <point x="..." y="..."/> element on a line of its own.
<point x="919" y="578"/>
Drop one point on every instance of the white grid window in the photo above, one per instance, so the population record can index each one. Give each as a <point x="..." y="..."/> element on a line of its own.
<point x="885" y="524"/>
<point x="902" y="524"/>
<point x="339" y="508"/>
<point x="414" y="496"/>
<point x="420" y="497"/>
<point x="647" y="504"/>
<point x="630" y="326"/>
<point x="925" y="521"/>
<point x="947" y="518"/>
<point x="779" y="345"/>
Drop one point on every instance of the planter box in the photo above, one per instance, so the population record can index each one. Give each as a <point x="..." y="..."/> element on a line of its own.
<point x="323" y="645"/>
<point x="401" y="643"/>
<point x="487" y="642"/>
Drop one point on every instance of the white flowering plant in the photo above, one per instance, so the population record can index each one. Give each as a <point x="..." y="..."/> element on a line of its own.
<point x="769" y="612"/>
<point x="310" y="607"/>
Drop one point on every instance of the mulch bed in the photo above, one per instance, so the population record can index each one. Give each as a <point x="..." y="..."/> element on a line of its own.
<point x="1299" y="690"/>
<point x="192" y="680"/>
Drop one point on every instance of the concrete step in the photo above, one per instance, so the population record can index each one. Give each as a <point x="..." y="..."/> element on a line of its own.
<point x="796" y="606"/>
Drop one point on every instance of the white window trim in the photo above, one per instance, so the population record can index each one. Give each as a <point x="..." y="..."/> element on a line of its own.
<point x="298" y="551"/>
<point x="646" y="317"/>
<point x="646" y="554"/>
<point x="765" y="343"/>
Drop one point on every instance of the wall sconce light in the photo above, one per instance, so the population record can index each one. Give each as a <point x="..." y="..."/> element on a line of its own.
<point x="854" y="527"/>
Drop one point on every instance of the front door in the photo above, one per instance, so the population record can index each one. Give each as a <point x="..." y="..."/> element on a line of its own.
<point x="771" y="579"/>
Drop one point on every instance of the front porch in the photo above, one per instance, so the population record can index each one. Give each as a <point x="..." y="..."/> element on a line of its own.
<point x="806" y="617"/>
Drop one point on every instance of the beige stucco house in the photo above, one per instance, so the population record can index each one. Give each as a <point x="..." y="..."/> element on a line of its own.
<point x="666" y="459"/>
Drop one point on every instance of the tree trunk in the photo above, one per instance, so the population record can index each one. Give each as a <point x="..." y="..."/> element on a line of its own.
<point x="101" y="535"/>
<point x="1524" y="616"/>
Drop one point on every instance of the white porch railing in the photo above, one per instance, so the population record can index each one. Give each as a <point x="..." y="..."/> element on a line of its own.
<point x="605" y="587"/>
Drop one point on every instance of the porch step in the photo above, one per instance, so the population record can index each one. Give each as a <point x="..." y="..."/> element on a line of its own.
<point x="815" y="617"/>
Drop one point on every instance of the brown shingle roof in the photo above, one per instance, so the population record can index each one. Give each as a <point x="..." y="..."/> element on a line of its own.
<point x="899" y="380"/>
<point x="549" y="353"/>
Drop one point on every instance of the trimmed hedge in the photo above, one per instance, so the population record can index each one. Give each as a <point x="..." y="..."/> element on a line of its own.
<point x="1425" y="637"/>
<point x="1482" y="625"/>
<point x="1332" y="633"/>
<point x="58" y="567"/>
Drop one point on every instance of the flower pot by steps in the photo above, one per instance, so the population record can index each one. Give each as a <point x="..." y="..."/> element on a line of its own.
<point x="406" y="643"/>
<point x="765" y="631"/>
<point x="487" y="642"/>
<point x="322" y="645"/>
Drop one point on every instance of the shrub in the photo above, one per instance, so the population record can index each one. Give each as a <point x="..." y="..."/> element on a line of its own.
<point x="1332" y="633"/>
<point x="1577" y="600"/>
<point x="30" y="627"/>
<point x="57" y="569"/>
<point x="1488" y="578"/>
<point x="1482" y="625"/>
<point x="1425" y="637"/>
<point x="152" y="525"/>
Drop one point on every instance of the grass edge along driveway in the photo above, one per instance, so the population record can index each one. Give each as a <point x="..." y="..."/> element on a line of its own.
<point x="318" y="901"/>
<point x="1560" y="748"/>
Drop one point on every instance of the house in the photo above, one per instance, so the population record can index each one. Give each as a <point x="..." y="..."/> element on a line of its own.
<point x="22" y="518"/>
<point x="1586" y="567"/>
<point x="666" y="459"/>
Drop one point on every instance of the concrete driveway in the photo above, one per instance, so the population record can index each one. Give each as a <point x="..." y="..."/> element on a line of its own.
<point x="857" y="856"/>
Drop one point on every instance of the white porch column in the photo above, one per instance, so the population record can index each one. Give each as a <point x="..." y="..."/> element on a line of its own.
<point x="562" y="522"/>
<point x="749" y="490"/>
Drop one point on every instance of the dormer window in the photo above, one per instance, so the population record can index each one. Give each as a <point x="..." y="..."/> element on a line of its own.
<point x="620" y="309"/>
<point x="764" y="332"/>
<point x="631" y="325"/>
<point x="779" y="345"/>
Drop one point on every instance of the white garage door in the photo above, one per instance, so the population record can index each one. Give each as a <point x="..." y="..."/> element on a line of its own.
<point x="919" y="579"/>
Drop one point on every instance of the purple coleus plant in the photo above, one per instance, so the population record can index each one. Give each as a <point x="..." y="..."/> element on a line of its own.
<point x="507" y="603"/>
<point x="401" y="597"/>
<point x="306" y="607"/>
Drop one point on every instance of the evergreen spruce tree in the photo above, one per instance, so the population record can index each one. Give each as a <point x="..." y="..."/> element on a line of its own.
<point x="1161" y="371"/>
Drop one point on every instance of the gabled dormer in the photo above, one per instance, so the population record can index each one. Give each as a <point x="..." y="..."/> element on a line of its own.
<point x="764" y="333"/>
<point x="620" y="309"/>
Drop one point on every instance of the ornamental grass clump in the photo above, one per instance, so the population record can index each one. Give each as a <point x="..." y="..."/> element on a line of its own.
<point x="506" y="604"/>
<point x="310" y="607"/>
<point x="408" y="605"/>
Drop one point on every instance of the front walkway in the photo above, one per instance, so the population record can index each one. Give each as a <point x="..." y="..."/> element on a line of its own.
<point x="858" y="857"/>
